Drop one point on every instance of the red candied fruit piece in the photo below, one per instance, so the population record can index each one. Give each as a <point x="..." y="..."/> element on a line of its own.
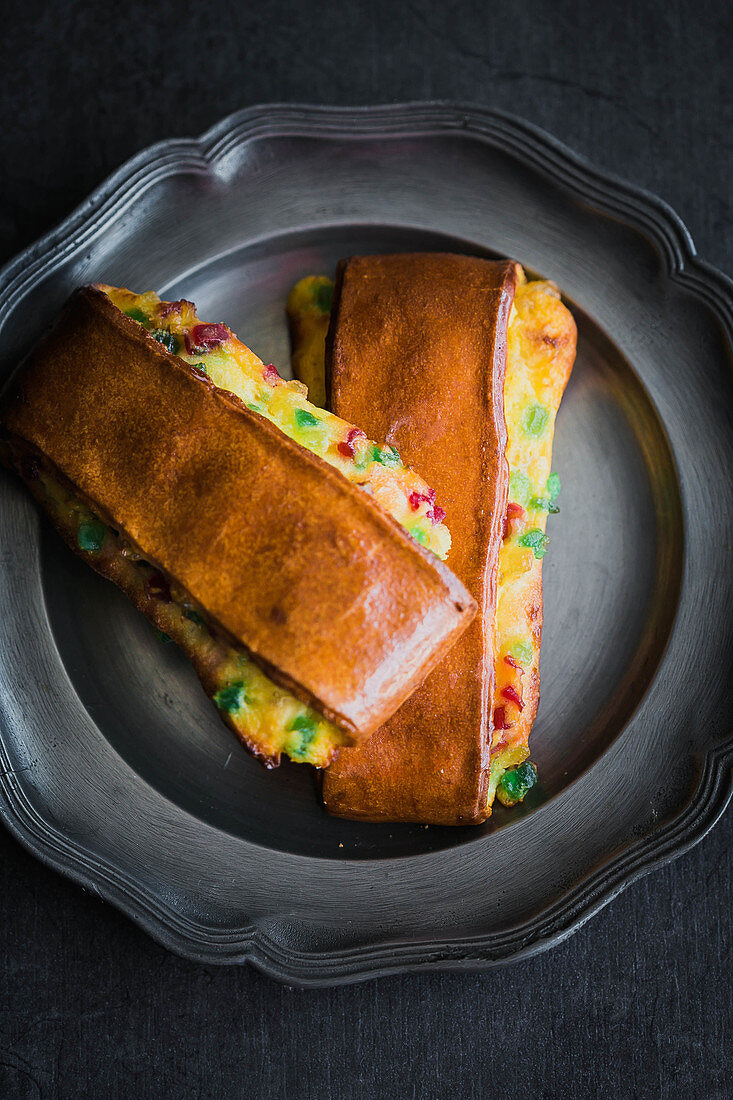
<point x="510" y="693"/>
<point x="434" y="511"/>
<point x="513" y="511"/>
<point x="514" y="664"/>
<point x="417" y="497"/>
<point x="270" y="375"/>
<point x="346" y="446"/>
<point x="500" y="722"/>
<point x="171" y="308"/>
<point x="205" y="337"/>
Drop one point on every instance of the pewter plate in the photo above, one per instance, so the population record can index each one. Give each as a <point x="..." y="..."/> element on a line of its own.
<point x="115" y="768"/>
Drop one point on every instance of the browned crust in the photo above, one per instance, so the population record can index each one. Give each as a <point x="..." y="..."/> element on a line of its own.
<point x="293" y="563"/>
<point x="416" y="354"/>
<point x="111" y="564"/>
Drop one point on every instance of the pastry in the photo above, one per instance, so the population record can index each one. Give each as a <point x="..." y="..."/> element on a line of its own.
<point x="461" y="363"/>
<point x="162" y="461"/>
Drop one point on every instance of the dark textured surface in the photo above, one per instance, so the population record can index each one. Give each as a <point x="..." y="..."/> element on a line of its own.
<point x="638" y="1002"/>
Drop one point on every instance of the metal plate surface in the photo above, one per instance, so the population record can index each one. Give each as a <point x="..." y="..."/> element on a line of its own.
<point x="115" y="767"/>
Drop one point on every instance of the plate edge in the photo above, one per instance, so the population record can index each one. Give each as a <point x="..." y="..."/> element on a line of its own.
<point x="644" y="212"/>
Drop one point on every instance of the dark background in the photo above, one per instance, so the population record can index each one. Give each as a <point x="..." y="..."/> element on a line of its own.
<point x="638" y="1002"/>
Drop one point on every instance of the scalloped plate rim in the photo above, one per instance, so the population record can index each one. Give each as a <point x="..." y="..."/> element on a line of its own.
<point x="644" y="212"/>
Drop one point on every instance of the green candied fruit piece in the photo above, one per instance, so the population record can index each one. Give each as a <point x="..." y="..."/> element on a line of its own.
<point x="522" y="652"/>
<point x="386" y="455"/>
<point x="553" y="486"/>
<point x="536" y="540"/>
<point x="306" y="727"/>
<point x="544" y="504"/>
<point x="305" y="419"/>
<point x="535" y="419"/>
<point x="194" y="617"/>
<point x="232" y="698"/>
<point x="420" y="534"/>
<point x="137" y="315"/>
<point x="164" y="638"/>
<point x="90" y="536"/>
<point x="169" y="340"/>
<point x="254" y="407"/>
<point x="519" y="488"/>
<point x="516" y="782"/>
<point x="323" y="296"/>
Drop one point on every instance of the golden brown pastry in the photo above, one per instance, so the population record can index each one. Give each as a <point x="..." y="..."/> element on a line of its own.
<point x="275" y="550"/>
<point x="268" y="719"/>
<point x="416" y="352"/>
<point x="541" y="340"/>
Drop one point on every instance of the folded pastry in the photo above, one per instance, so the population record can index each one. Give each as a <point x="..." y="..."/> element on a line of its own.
<point x="461" y="363"/>
<point x="166" y="454"/>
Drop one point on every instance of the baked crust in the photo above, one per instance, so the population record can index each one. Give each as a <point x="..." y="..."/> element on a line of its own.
<point x="416" y="353"/>
<point x="324" y="590"/>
